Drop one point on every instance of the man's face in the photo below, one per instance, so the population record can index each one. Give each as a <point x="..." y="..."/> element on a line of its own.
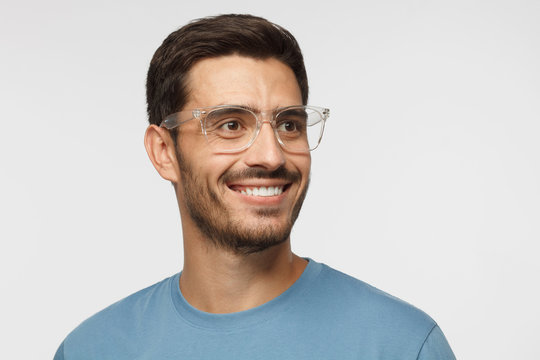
<point x="216" y="190"/>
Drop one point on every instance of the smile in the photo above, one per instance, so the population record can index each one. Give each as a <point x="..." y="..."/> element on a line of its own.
<point x="258" y="190"/>
<point x="261" y="191"/>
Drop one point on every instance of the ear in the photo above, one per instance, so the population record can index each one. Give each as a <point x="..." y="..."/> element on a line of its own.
<point x="161" y="151"/>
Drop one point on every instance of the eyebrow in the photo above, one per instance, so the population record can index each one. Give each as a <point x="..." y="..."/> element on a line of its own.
<point x="253" y="108"/>
<point x="247" y="107"/>
<point x="226" y="110"/>
<point x="294" y="111"/>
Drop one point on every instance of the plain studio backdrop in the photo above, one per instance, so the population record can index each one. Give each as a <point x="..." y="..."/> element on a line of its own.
<point x="426" y="184"/>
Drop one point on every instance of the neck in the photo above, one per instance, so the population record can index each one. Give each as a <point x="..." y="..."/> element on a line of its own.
<point x="218" y="281"/>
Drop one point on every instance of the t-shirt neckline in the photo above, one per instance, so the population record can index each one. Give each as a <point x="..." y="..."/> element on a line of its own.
<point x="243" y="319"/>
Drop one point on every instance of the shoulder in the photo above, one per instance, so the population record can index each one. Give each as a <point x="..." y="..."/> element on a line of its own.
<point x="119" y="321"/>
<point x="139" y="303"/>
<point x="357" y="293"/>
<point x="366" y="310"/>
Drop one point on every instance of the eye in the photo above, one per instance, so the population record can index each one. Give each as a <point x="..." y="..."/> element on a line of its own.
<point x="231" y="126"/>
<point x="292" y="126"/>
<point x="288" y="126"/>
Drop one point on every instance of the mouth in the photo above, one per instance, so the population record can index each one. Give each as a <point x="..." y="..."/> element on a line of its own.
<point x="259" y="186"/>
<point x="260" y="191"/>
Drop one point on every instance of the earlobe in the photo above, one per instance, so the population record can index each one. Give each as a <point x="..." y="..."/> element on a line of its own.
<point x="160" y="149"/>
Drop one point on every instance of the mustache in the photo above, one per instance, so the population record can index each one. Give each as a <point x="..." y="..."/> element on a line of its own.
<point x="257" y="173"/>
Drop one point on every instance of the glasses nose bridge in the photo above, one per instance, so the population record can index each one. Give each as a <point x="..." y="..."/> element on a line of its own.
<point x="266" y="117"/>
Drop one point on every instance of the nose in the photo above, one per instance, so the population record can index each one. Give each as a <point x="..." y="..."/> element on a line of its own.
<point x="265" y="152"/>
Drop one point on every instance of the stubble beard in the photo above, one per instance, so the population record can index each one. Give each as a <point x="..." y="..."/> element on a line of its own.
<point x="216" y="222"/>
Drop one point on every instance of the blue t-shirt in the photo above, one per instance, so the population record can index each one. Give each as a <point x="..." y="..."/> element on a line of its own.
<point x="325" y="314"/>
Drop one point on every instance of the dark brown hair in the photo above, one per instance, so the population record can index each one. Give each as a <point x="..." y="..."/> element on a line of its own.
<point x="246" y="35"/>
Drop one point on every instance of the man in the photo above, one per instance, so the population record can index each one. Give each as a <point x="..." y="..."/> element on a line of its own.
<point x="230" y="128"/>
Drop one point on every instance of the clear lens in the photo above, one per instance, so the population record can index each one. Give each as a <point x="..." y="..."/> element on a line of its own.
<point x="300" y="128"/>
<point x="230" y="128"/>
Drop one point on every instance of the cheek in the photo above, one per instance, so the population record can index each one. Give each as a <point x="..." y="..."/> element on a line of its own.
<point x="302" y="163"/>
<point x="308" y="164"/>
<point x="218" y="165"/>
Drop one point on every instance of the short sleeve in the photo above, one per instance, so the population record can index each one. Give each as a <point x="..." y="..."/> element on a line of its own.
<point x="59" y="353"/>
<point x="435" y="347"/>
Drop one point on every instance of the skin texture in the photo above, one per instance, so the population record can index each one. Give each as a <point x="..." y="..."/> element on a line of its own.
<point x="237" y="252"/>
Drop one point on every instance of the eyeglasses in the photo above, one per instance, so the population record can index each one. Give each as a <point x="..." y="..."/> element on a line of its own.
<point x="233" y="128"/>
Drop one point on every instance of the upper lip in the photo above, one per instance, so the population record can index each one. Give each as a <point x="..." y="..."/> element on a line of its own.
<point x="257" y="177"/>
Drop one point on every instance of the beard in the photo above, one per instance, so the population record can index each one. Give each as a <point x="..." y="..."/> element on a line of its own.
<point x="215" y="221"/>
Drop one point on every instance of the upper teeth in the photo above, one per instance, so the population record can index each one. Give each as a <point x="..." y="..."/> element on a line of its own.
<point x="263" y="191"/>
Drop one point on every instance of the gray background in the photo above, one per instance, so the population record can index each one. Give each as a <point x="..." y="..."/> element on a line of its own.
<point x="426" y="184"/>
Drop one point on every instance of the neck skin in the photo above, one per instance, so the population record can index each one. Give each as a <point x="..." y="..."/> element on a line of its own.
<point x="218" y="281"/>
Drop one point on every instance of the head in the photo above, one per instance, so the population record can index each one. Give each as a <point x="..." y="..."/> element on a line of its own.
<point x="235" y="60"/>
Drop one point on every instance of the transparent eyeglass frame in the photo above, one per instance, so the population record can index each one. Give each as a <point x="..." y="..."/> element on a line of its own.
<point x="174" y="120"/>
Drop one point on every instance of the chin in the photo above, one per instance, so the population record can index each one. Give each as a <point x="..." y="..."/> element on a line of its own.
<point x="258" y="242"/>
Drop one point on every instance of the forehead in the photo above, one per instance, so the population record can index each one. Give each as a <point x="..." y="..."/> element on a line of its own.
<point x="240" y="80"/>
